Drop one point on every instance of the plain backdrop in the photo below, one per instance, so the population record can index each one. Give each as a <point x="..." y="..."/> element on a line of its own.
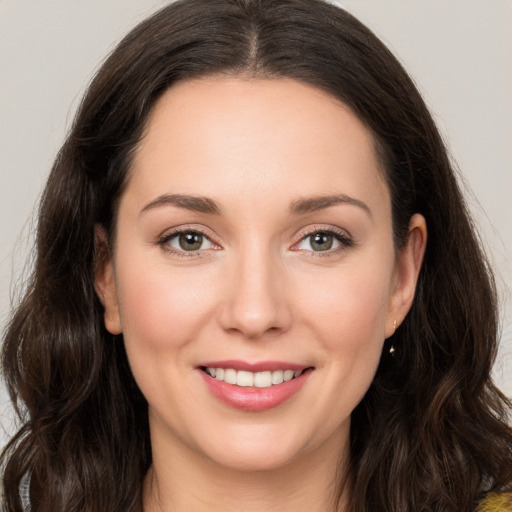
<point x="457" y="51"/>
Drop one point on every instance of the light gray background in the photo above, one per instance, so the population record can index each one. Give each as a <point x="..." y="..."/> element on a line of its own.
<point x="458" y="52"/>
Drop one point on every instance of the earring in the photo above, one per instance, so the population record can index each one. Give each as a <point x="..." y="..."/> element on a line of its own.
<point x="392" y="348"/>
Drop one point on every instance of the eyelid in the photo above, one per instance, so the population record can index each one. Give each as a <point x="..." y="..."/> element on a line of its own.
<point x="163" y="241"/>
<point x="319" y="228"/>
<point x="345" y="239"/>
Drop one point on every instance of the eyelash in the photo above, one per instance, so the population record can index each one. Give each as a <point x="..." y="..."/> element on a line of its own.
<point x="341" y="237"/>
<point x="345" y="240"/>
<point x="164" y="240"/>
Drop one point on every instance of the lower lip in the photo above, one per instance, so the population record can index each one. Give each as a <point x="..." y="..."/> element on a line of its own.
<point x="255" y="399"/>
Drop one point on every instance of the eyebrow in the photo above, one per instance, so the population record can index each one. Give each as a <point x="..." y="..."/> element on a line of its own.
<point x="203" y="204"/>
<point x="194" y="203"/>
<point x="313" y="204"/>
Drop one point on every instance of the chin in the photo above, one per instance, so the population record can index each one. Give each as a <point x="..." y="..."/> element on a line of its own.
<point x="247" y="461"/>
<point x="263" y="449"/>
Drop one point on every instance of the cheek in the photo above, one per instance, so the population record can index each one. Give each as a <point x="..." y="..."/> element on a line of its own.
<point x="348" y="314"/>
<point x="349" y="323"/>
<point x="160" y="308"/>
<point x="163" y="311"/>
<point x="349" y="306"/>
<point x="353" y="336"/>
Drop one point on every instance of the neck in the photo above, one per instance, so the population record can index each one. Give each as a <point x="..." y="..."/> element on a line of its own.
<point x="310" y="483"/>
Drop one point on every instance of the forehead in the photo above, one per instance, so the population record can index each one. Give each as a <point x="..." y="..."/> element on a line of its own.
<point x="229" y="137"/>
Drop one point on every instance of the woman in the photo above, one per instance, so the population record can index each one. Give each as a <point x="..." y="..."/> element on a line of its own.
<point x="234" y="302"/>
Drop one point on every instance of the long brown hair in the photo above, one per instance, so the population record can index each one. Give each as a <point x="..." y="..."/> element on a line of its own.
<point x="431" y="433"/>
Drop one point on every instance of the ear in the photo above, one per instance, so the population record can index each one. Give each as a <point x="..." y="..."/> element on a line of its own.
<point x="408" y="265"/>
<point x="104" y="281"/>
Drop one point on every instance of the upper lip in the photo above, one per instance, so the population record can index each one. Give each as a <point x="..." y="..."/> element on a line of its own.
<point x="259" y="366"/>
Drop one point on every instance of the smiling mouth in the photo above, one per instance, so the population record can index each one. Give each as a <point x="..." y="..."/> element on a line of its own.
<point x="243" y="378"/>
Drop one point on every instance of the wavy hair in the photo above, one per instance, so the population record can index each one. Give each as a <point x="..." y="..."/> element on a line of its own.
<point x="431" y="434"/>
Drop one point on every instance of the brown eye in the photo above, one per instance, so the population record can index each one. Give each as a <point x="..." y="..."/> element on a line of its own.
<point x="186" y="242"/>
<point x="190" y="241"/>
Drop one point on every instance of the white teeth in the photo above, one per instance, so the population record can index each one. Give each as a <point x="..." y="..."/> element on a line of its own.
<point x="244" y="378"/>
<point x="230" y="376"/>
<point x="277" y="377"/>
<point x="288" y="375"/>
<point x="263" y="379"/>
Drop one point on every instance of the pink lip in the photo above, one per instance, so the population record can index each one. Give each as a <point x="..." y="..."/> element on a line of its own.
<point x="254" y="399"/>
<point x="261" y="366"/>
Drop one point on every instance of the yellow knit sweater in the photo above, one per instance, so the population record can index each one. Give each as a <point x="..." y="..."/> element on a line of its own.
<point x="496" y="503"/>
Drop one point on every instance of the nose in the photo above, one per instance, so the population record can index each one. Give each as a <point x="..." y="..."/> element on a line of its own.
<point x="255" y="301"/>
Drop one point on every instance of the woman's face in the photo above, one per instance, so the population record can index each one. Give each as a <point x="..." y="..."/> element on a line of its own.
<point x="254" y="243"/>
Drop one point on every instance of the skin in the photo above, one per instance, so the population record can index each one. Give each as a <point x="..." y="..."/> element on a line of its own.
<point x="256" y="289"/>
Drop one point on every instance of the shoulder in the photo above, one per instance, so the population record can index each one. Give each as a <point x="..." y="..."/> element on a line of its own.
<point x="496" y="503"/>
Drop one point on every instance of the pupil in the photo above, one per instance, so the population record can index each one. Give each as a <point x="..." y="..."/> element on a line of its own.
<point x="191" y="241"/>
<point x="321" y="242"/>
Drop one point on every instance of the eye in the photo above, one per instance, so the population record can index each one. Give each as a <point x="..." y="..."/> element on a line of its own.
<point x="323" y="241"/>
<point x="187" y="241"/>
